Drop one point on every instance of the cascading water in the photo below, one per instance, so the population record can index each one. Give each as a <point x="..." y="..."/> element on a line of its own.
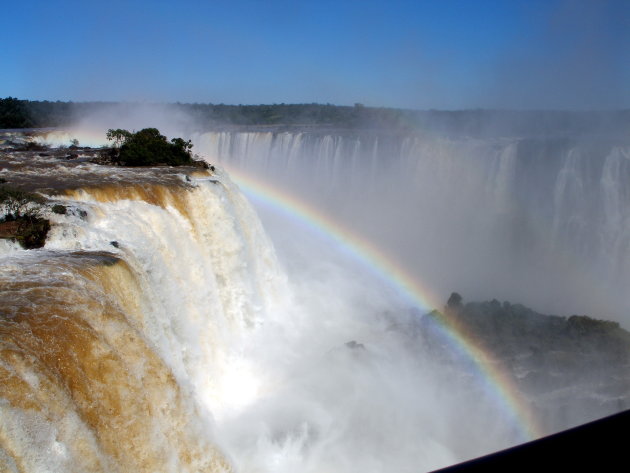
<point x="544" y="220"/>
<point x="120" y="337"/>
<point x="157" y="332"/>
<point x="83" y="389"/>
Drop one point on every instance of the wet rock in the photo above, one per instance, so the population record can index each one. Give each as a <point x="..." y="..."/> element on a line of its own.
<point x="59" y="209"/>
<point x="8" y="229"/>
<point x="82" y="214"/>
<point x="202" y="165"/>
<point x="29" y="232"/>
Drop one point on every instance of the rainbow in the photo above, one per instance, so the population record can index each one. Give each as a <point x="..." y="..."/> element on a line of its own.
<point x="491" y="376"/>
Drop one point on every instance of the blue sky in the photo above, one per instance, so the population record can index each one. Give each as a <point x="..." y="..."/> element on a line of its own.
<point x="519" y="54"/>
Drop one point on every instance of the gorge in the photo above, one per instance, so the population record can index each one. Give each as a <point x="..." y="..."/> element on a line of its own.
<point x="169" y="325"/>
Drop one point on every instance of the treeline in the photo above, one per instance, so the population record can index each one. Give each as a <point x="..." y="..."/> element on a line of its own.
<point x="564" y="367"/>
<point x="15" y="113"/>
<point x="357" y="116"/>
<point x="509" y="328"/>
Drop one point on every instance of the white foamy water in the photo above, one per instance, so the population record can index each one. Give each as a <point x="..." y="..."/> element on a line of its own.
<point x="159" y="331"/>
<point x="122" y="329"/>
<point x="156" y="331"/>
<point x="552" y="213"/>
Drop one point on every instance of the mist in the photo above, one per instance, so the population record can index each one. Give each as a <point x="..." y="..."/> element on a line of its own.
<point x="343" y="381"/>
<point x="342" y="374"/>
<point x="536" y="219"/>
<point x="323" y="364"/>
<point x="89" y="122"/>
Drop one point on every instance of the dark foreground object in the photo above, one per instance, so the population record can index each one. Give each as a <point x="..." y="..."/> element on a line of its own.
<point x="600" y="446"/>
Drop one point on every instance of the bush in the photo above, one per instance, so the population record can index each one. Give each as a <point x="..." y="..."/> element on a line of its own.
<point x="581" y="324"/>
<point x="21" y="220"/>
<point x="148" y="147"/>
<point x="17" y="203"/>
<point x="32" y="232"/>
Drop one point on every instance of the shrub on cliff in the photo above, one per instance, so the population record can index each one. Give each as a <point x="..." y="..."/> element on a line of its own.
<point x="21" y="220"/>
<point x="17" y="203"/>
<point x="148" y="147"/>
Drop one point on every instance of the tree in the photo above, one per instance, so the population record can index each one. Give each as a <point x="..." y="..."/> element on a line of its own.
<point x="15" y="203"/>
<point x="454" y="301"/>
<point x="118" y="136"/>
<point x="148" y="147"/>
<point x="21" y="220"/>
<point x="185" y="145"/>
<point x="14" y="114"/>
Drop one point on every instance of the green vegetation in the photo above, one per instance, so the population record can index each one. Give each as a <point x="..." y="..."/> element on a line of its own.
<point x="505" y="327"/>
<point x="22" y="221"/>
<point x="555" y="362"/>
<point x="582" y="324"/>
<point x="148" y="147"/>
<point x="25" y="114"/>
<point x="17" y="203"/>
<point x="118" y="136"/>
<point x="15" y="113"/>
<point x="454" y="301"/>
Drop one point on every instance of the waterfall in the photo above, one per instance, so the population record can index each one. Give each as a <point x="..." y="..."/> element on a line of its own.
<point x="117" y="336"/>
<point x="158" y="330"/>
<point x="518" y="215"/>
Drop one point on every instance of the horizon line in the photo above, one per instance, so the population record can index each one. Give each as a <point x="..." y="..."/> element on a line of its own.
<point x="356" y="105"/>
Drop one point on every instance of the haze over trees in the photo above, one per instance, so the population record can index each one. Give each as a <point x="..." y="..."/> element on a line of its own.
<point x="15" y="113"/>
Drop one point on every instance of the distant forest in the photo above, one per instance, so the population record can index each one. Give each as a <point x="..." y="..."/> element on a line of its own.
<point x="16" y="113"/>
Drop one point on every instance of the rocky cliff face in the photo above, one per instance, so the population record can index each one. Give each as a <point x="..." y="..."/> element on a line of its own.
<point x="571" y="369"/>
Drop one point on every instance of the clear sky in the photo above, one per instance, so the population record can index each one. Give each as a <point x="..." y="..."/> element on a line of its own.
<point x="442" y="54"/>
